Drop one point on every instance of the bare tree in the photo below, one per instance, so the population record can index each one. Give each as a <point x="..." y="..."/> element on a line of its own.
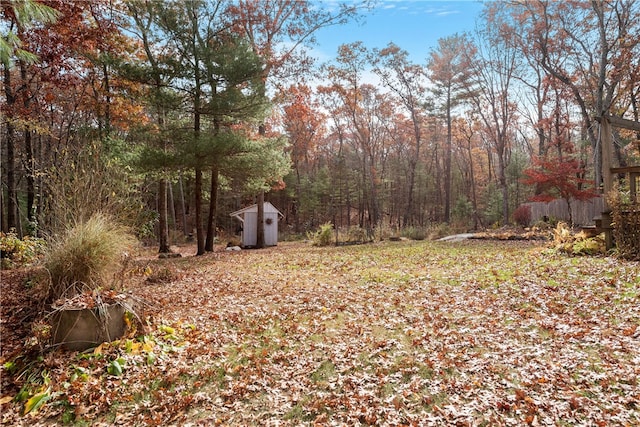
<point x="407" y="82"/>
<point x="494" y="66"/>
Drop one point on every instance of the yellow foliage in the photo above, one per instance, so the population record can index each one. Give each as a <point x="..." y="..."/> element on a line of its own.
<point x="576" y="244"/>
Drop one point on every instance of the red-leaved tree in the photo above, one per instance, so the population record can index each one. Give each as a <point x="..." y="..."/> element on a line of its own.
<point x="559" y="178"/>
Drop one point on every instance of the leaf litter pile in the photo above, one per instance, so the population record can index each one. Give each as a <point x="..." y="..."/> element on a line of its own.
<point x="402" y="333"/>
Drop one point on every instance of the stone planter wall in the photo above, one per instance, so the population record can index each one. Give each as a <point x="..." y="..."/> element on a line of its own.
<point x="83" y="328"/>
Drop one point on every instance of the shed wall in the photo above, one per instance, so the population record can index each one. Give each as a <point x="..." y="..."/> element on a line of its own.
<point x="250" y="229"/>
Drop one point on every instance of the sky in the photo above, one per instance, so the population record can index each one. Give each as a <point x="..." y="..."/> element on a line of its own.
<point x="413" y="25"/>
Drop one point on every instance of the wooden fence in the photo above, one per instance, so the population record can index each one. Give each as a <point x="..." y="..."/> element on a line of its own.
<point x="584" y="211"/>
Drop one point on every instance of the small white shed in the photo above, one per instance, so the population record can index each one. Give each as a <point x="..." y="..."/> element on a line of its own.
<point x="249" y="218"/>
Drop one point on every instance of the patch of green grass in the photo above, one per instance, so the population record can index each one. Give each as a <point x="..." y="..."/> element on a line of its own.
<point x="323" y="373"/>
<point x="299" y="411"/>
<point x="317" y="338"/>
<point x="425" y="371"/>
<point x="364" y="359"/>
<point x="430" y="400"/>
<point x="630" y="291"/>
<point x="387" y="389"/>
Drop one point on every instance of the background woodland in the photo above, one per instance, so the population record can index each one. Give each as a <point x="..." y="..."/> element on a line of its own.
<point x="170" y="115"/>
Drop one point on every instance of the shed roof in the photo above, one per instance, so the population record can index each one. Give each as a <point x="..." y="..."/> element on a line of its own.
<point x="268" y="208"/>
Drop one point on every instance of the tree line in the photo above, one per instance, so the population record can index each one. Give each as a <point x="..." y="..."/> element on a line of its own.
<point x="170" y="115"/>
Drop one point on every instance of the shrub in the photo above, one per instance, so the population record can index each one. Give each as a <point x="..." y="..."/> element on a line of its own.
<point x="385" y="232"/>
<point x="17" y="252"/>
<point x="323" y="236"/>
<point x="576" y="244"/>
<point x="522" y="215"/>
<point x="414" y="233"/>
<point x="357" y="234"/>
<point x="546" y="223"/>
<point x="462" y="211"/>
<point x="87" y="256"/>
<point x="440" y="230"/>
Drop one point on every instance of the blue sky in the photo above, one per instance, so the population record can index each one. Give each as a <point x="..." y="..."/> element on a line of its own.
<point x="414" y="25"/>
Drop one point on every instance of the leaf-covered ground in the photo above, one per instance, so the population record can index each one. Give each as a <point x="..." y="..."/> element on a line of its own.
<point x="397" y="333"/>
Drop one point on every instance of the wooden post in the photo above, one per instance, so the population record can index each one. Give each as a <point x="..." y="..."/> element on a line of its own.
<point x="607" y="177"/>
<point x="607" y="158"/>
<point x="607" y="166"/>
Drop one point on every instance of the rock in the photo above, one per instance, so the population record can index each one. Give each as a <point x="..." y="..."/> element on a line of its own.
<point x="457" y="237"/>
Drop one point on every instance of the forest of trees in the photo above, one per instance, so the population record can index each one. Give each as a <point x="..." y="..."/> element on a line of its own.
<point x="170" y="115"/>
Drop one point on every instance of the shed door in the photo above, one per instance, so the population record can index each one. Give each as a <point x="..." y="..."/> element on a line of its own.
<point x="271" y="229"/>
<point x="250" y="229"/>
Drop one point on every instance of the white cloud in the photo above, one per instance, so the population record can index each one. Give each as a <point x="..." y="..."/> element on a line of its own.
<point x="447" y="12"/>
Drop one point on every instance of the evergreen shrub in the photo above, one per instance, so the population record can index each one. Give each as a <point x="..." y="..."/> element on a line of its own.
<point x="323" y="236"/>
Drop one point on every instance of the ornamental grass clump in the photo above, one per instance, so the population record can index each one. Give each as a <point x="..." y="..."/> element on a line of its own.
<point x="87" y="257"/>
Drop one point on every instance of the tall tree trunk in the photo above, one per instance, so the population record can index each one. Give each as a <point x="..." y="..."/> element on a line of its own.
<point x="200" y="237"/>
<point x="348" y="201"/>
<point x="260" y="243"/>
<point x="474" y="198"/>
<point x="163" y="223"/>
<point x="3" y="217"/>
<point x="10" y="161"/>
<point x="438" y="176"/>
<point x="107" y="90"/>
<point x="198" y="217"/>
<point x="40" y="195"/>
<point x="30" y="175"/>
<point x="163" y="232"/>
<point x="408" y="214"/>
<point x="374" y="214"/>
<point x="607" y="160"/>
<point x="28" y="146"/>
<point x="183" y="208"/>
<point x="363" y="201"/>
<point x="502" y="180"/>
<point x="413" y="164"/>
<point x="297" y="199"/>
<point x="172" y="206"/>
<point x="570" y="209"/>
<point x="213" y="203"/>
<point x="447" y="162"/>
